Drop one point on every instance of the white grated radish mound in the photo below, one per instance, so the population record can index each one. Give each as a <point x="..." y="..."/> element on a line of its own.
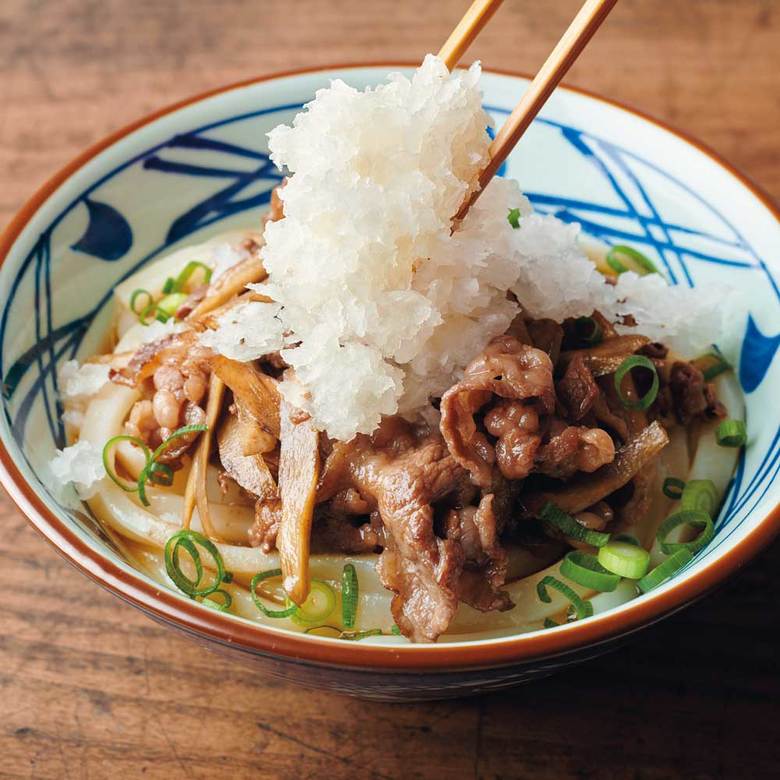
<point x="81" y="464"/>
<point x="379" y="306"/>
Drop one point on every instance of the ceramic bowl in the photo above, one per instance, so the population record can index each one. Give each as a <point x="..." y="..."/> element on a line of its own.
<point x="202" y="166"/>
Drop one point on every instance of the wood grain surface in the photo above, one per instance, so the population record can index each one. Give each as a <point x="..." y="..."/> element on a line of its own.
<point x="89" y="688"/>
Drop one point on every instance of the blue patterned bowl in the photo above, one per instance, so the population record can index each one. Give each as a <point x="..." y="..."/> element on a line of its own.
<point x="202" y="166"/>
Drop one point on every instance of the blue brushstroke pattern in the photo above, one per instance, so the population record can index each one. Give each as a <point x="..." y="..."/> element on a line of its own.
<point x="758" y="351"/>
<point x="108" y="235"/>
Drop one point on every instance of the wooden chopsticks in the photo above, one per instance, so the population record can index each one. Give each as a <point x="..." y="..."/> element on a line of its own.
<point x="467" y="29"/>
<point x="562" y="57"/>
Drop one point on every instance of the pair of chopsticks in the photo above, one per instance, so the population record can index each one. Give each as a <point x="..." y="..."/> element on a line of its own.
<point x="562" y="57"/>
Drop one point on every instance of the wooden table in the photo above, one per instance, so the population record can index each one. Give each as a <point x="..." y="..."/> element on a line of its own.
<point x="91" y="688"/>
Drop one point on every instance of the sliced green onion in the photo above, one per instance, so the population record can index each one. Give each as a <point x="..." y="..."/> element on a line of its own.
<point x="630" y="363"/>
<point x="582" y="608"/>
<point x="170" y="283"/>
<point x="711" y="365"/>
<point x="350" y="636"/>
<point x="350" y="591"/>
<point x="319" y="604"/>
<point x="701" y="495"/>
<point x="161" y="474"/>
<point x="136" y="294"/>
<point x="686" y="517"/>
<point x="626" y="539"/>
<point x="289" y="611"/>
<point x="152" y="466"/>
<point x="110" y="472"/>
<point x="550" y="623"/>
<point x="170" y="304"/>
<point x="212" y="602"/>
<point x="316" y="629"/>
<point x="568" y="526"/>
<point x="731" y="433"/>
<point x="395" y="631"/>
<point x="588" y="331"/>
<point x="189" y="541"/>
<point x="183" y="431"/>
<point x="188" y="271"/>
<point x="585" y="570"/>
<point x="514" y="218"/>
<point x="673" y="488"/>
<point x="621" y="258"/>
<point x="665" y="570"/>
<point x="624" y="559"/>
<point x="356" y="636"/>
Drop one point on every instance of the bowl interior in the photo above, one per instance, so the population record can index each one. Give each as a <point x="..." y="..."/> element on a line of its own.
<point x="204" y="169"/>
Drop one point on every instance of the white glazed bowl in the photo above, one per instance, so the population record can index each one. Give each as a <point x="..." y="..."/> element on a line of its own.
<point x="201" y="167"/>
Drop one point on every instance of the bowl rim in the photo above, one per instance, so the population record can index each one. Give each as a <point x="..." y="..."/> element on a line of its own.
<point x="163" y="604"/>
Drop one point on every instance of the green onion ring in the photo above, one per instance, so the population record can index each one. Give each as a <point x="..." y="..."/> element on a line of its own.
<point x="136" y="294"/>
<point x="183" y="431"/>
<point x="350" y="591"/>
<point x="514" y="218"/>
<point x="289" y="611"/>
<point x="170" y="304"/>
<point x="160" y="474"/>
<point x="151" y="311"/>
<point x="186" y="273"/>
<point x="168" y="286"/>
<point x="624" y="559"/>
<point x="311" y="612"/>
<point x="700" y="494"/>
<point x="585" y="570"/>
<point x="110" y="472"/>
<point x="583" y="608"/>
<point x="227" y="600"/>
<point x="188" y="539"/>
<point x="692" y="517"/>
<point x="335" y="629"/>
<point x="567" y="525"/>
<point x="673" y="488"/>
<point x="395" y="630"/>
<point x="550" y="623"/>
<point x="731" y="433"/>
<point x="711" y="364"/>
<point x="626" y="539"/>
<point x="588" y="331"/>
<point x="636" y="261"/>
<point x="356" y="636"/>
<point x="665" y="570"/>
<point x="631" y="362"/>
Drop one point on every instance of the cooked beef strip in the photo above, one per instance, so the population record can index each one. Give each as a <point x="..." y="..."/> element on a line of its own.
<point x="574" y="448"/>
<point x="691" y="395"/>
<point x="546" y="335"/>
<point x="335" y="532"/>
<point x="522" y="377"/>
<point x="654" y="350"/>
<point x="509" y="370"/>
<point x="577" y="390"/>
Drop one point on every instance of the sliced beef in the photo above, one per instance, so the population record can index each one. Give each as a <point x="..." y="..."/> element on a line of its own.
<point x="507" y="369"/>
<point x="485" y="560"/>
<point x="655" y="350"/>
<point x="337" y="532"/>
<point x="691" y="395"/>
<point x="573" y="449"/>
<point x="546" y="335"/>
<point x="577" y="390"/>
